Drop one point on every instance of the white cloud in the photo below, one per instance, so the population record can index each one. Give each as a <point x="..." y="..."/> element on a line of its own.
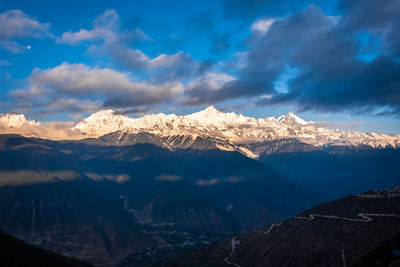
<point x="108" y="39"/>
<point x="48" y="130"/>
<point x="12" y="46"/>
<point x="105" y="28"/>
<point x="169" y="61"/>
<point x="15" y="24"/>
<point x="130" y="58"/>
<point x="75" y="38"/>
<point x="210" y="81"/>
<point x="78" y="87"/>
<point x="262" y="26"/>
<point x="78" y="79"/>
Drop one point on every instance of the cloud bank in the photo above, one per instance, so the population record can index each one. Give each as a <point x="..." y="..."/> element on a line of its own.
<point x="107" y="38"/>
<point x="80" y="88"/>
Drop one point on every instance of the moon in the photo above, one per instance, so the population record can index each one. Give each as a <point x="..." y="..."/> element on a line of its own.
<point x="28" y="47"/>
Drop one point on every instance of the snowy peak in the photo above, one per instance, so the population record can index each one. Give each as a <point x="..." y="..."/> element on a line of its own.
<point x="211" y="116"/>
<point x="103" y="122"/>
<point x="211" y="110"/>
<point x="291" y="119"/>
<point x="102" y="115"/>
<point x="8" y="121"/>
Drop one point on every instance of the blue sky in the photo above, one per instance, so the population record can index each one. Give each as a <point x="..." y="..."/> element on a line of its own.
<point x="333" y="61"/>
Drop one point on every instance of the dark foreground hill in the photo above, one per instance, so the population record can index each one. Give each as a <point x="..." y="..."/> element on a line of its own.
<point x="14" y="252"/>
<point x="365" y="227"/>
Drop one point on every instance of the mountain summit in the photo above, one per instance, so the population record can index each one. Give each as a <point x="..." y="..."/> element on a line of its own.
<point x="291" y="119"/>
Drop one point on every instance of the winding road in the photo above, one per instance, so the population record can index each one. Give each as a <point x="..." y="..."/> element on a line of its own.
<point x="364" y="217"/>
<point x="274" y="225"/>
<point x="234" y="243"/>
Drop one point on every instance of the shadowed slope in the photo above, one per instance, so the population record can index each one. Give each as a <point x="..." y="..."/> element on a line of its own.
<point x="356" y="224"/>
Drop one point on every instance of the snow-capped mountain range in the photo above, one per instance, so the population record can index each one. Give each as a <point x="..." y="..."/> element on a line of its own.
<point x="229" y="131"/>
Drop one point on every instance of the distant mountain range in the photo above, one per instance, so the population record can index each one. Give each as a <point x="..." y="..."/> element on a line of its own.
<point x="209" y="128"/>
<point x="363" y="229"/>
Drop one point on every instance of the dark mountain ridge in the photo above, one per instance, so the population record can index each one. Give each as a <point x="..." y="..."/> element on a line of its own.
<point x="360" y="225"/>
<point x="109" y="204"/>
<point x="324" y="171"/>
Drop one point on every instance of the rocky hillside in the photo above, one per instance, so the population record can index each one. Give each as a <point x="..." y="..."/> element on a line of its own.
<point x="363" y="226"/>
